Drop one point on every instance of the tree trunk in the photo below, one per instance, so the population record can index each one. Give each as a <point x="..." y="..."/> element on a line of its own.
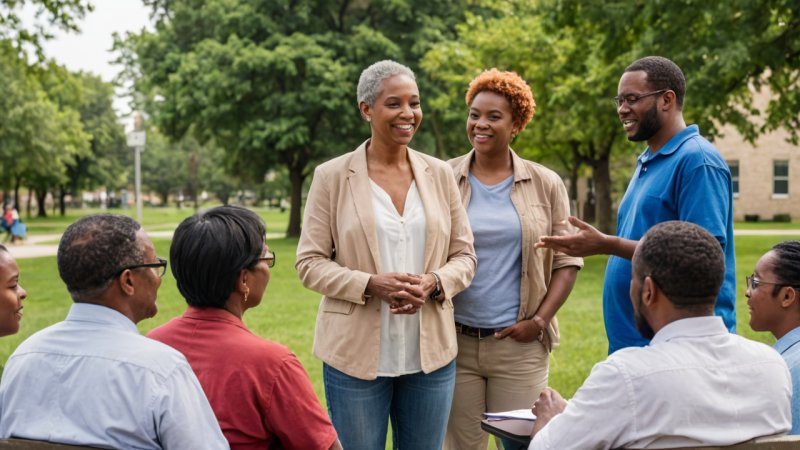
<point x="41" y="195"/>
<point x="62" y="197"/>
<point x="193" y="180"/>
<point x="573" y="178"/>
<point x="602" y="186"/>
<point x="296" y="176"/>
<point x="17" y="184"/>
<point x="29" y="202"/>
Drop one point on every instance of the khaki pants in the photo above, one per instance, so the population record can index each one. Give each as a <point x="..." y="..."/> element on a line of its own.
<point x="491" y="376"/>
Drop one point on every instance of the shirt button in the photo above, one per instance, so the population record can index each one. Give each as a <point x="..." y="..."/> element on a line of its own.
<point x="644" y="169"/>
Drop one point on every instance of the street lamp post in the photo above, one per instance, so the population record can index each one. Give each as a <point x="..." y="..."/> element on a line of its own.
<point x="136" y="139"/>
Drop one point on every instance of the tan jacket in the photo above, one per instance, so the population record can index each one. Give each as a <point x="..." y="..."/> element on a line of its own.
<point x="541" y="201"/>
<point x="339" y="215"/>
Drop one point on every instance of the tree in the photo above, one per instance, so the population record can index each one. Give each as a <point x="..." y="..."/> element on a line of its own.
<point x="273" y="83"/>
<point x="63" y="14"/>
<point x="163" y="165"/>
<point x="572" y="52"/>
<point x="106" y="161"/>
<point x="38" y="139"/>
<point x="726" y="49"/>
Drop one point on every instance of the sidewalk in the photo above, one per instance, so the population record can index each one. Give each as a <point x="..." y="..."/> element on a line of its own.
<point x="39" y="245"/>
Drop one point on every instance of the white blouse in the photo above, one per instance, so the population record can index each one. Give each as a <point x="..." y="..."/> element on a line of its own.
<point x="401" y="246"/>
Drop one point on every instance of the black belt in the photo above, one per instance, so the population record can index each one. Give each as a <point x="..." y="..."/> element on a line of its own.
<point x="479" y="333"/>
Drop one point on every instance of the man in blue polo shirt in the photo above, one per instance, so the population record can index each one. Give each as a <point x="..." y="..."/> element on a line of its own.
<point x="679" y="176"/>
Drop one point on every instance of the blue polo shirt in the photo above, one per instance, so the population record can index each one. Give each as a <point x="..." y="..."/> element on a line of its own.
<point x="686" y="180"/>
<point x="788" y="346"/>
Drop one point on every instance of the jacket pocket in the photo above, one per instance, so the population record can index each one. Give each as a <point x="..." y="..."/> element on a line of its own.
<point x="332" y="305"/>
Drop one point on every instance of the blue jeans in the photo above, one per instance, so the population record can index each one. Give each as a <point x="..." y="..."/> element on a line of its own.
<point x="418" y="405"/>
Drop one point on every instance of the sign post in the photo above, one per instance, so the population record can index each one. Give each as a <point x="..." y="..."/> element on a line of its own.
<point x="136" y="139"/>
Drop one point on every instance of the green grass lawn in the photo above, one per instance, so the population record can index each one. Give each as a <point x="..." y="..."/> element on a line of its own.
<point x="287" y="312"/>
<point x="153" y="219"/>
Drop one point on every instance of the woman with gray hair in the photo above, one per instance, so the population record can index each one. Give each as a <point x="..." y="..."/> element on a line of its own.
<point x="387" y="243"/>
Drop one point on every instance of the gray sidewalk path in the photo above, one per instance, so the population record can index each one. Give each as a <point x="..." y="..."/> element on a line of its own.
<point x="47" y="244"/>
<point x="766" y="232"/>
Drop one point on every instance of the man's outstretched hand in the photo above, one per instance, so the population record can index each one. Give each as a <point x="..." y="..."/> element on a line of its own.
<point x="587" y="241"/>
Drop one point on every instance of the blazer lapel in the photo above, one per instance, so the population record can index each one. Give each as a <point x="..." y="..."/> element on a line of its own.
<point x="361" y="193"/>
<point x="427" y="190"/>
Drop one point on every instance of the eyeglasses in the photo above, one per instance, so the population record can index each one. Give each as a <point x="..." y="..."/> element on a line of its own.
<point x="160" y="266"/>
<point x="269" y="257"/>
<point x="631" y="99"/>
<point x="754" y="283"/>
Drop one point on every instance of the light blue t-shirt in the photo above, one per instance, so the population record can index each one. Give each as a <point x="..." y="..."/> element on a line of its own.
<point x="686" y="180"/>
<point x="492" y="300"/>
<point x="789" y="347"/>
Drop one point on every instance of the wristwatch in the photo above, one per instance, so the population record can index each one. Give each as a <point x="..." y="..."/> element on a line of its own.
<point x="542" y="326"/>
<point x="438" y="290"/>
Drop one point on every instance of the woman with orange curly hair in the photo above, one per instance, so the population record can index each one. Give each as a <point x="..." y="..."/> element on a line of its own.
<point x="505" y="321"/>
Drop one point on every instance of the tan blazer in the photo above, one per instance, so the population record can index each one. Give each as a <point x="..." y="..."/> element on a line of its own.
<point x="338" y="252"/>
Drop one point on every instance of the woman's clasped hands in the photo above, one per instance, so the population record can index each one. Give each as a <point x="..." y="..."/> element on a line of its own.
<point x="404" y="292"/>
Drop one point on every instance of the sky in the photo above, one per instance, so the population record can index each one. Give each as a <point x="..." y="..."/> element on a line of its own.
<point x="90" y="50"/>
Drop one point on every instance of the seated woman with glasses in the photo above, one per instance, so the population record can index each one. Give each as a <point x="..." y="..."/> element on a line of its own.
<point x="258" y="389"/>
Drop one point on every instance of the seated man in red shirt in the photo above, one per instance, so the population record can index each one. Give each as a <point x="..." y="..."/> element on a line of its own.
<point x="258" y="389"/>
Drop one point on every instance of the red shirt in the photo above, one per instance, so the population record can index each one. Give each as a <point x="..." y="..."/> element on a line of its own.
<point x="258" y="389"/>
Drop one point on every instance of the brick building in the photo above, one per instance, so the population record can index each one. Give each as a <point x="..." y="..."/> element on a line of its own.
<point x="766" y="175"/>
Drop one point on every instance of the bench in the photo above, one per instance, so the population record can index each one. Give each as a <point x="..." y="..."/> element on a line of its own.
<point x="26" y="444"/>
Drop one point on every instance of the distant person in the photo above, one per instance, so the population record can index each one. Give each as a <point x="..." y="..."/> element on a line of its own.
<point x="696" y="384"/>
<point x="679" y="176"/>
<point x="258" y="389"/>
<point x="8" y="219"/>
<point x="92" y="379"/>
<point x="773" y="296"/>
<point x="11" y="294"/>
<point x="17" y="231"/>
<point x="387" y="243"/>
<point x="505" y="320"/>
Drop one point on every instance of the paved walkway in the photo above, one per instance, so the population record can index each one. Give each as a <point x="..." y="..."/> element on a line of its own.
<point x="47" y="244"/>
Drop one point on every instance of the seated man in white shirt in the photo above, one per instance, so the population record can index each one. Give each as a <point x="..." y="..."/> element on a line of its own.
<point x="695" y="384"/>
<point x="93" y="379"/>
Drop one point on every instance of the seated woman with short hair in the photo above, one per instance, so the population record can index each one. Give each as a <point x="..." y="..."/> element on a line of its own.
<point x="258" y="389"/>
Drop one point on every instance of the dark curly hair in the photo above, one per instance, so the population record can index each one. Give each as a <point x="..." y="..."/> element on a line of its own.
<point x="662" y="74"/>
<point x="94" y="249"/>
<point x="512" y="87"/>
<point x="210" y="249"/>
<point x="684" y="260"/>
<point x="787" y="267"/>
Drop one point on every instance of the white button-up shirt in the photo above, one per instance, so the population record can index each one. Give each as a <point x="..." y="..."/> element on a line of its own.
<point x="94" y="380"/>
<point x="401" y="245"/>
<point x="694" y="384"/>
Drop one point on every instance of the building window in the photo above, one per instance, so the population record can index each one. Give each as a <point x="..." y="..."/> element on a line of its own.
<point x="780" y="178"/>
<point x="733" y="165"/>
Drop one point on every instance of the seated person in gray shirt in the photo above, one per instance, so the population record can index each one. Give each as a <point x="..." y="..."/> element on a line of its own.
<point x="93" y="379"/>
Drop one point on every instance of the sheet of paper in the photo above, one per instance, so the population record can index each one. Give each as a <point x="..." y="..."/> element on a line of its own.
<point x="523" y="414"/>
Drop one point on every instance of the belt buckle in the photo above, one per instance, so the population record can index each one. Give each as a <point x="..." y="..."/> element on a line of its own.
<point x="490" y="332"/>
